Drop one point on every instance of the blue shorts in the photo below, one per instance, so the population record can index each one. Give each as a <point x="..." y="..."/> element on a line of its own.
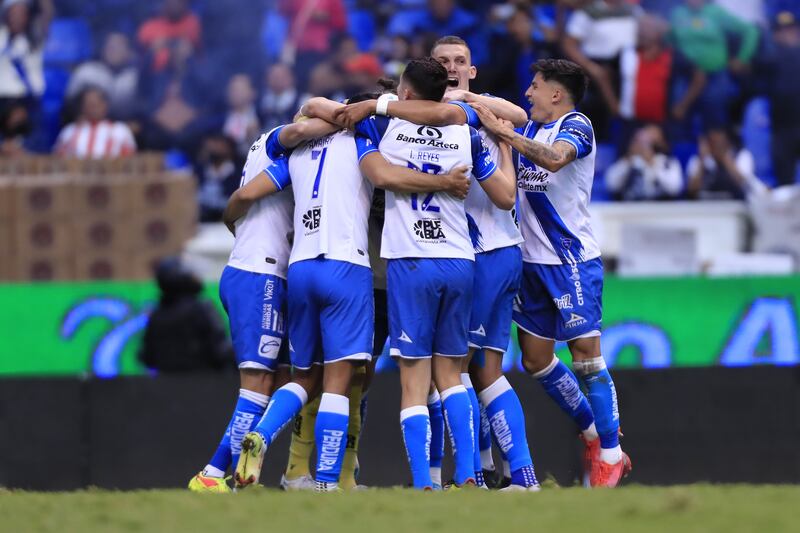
<point x="256" y="307"/>
<point x="561" y="302"/>
<point x="331" y="312"/>
<point x="497" y="280"/>
<point x="429" y="306"/>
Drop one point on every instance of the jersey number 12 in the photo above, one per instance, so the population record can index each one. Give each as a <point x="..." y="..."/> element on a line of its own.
<point x="426" y="204"/>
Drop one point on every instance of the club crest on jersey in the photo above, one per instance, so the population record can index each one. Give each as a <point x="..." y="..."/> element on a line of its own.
<point x="429" y="229"/>
<point x="312" y="218"/>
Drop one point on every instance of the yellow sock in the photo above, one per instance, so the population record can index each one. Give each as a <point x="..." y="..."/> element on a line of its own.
<point x="302" y="446"/>
<point x="347" y="479"/>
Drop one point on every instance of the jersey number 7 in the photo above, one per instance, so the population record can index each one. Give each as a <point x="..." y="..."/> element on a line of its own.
<point x="426" y="204"/>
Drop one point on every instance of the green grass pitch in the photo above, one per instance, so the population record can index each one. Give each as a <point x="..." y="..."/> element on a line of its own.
<point x="680" y="509"/>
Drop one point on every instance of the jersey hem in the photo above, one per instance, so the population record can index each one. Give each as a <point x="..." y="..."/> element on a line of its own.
<point x="249" y="268"/>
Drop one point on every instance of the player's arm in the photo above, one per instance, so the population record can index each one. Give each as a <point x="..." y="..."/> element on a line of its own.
<point x="323" y="108"/>
<point x="498" y="182"/>
<point x="269" y="181"/>
<point x="501" y="107"/>
<point x="295" y="133"/>
<point x="416" y="111"/>
<point x="550" y="157"/>
<point x="399" y="179"/>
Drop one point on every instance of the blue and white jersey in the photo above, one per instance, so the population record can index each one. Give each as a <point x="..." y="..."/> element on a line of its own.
<point x="332" y="200"/>
<point x="490" y="227"/>
<point x="427" y="224"/>
<point x="263" y="235"/>
<point x="554" y="206"/>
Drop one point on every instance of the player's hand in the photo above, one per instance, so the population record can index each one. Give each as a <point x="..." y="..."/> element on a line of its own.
<point x="456" y="95"/>
<point x="457" y="182"/>
<point x="351" y="114"/>
<point x="488" y="119"/>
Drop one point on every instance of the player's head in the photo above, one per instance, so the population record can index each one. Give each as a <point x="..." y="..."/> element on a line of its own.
<point x="385" y="85"/>
<point x="423" y="79"/>
<point x="557" y="87"/>
<point x="454" y="55"/>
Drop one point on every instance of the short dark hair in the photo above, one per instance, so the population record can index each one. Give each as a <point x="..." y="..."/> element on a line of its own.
<point x="567" y="73"/>
<point x="427" y="77"/>
<point x="450" y="39"/>
<point x="385" y="85"/>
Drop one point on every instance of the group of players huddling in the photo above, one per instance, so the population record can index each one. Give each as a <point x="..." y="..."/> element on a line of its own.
<point x="458" y="267"/>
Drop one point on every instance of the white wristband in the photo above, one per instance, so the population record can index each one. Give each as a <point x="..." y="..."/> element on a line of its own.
<point x="382" y="106"/>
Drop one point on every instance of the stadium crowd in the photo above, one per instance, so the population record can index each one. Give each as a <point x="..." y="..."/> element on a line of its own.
<point x="690" y="99"/>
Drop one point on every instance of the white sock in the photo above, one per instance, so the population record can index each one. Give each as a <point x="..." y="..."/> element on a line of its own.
<point x="590" y="433"/>
<point x="436" y="475"/>
<point x="487" y="461"/>
<point x="611" y="455"/>
<point x="213" y="471"/>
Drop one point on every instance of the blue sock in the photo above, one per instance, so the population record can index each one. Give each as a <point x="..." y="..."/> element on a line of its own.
<point x="524" y="476"/>
<point x="485" y="441"/>
<point x="416" y="427"/>
<point x="330" y="435"/>
<point x="458" y="415"/>
<point x="286" y="403"/>
<point x="249" y="409"/>
<point x="504" y="411"/>
<point x="562" y="386"/>
<point x="476" y="423"/>
<point x="437" y="429"/>
<point x="603" y="398"/>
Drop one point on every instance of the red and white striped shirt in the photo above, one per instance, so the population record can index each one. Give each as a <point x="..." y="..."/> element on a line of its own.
<point x="95" y="140"/>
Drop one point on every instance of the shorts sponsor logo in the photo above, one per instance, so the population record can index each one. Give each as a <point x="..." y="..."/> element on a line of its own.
<point x="576" y="278"/>
<point x="329" y="451"/>
<point x="269" y="346"/>
<point x="480" y="331"/>
<point x="574" y="321"/>
<point x="312" y="218"/>
<point x="563" y="302"/>
<point x="404" y="337"/>
<point x="429" y="229"/>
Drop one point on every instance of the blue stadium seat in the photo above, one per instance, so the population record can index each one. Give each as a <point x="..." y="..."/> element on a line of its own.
<point x="606" y="155"/>
<point x="274" y="30"/>
<point x="361" y="24"/>
<point x="756" y="135"/>
<point x="69" y="41"/>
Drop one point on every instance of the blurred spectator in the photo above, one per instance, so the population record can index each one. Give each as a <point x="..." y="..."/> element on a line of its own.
<point x="92" y="135"/>
<point x="160" y="35"/>
<point x="783" y="89"/>
<point x="22" y="34"/>
<point x="363" y="71"/>
<point x="733" y="179"/>
<point x="184" y="333"/>
<point x="312" y="26"/>
<point x="241" y="121"/>
<point x="647" y="172"/>
<point x="513" y="53"/>
<point x="325" y="81"/>
<point x="395" y="53"/>
<point x="115" y="72"/>
<point x="346" y="49"/>
<point x="15" y="127"/>
<point x="440" y="18"/>
<point x="645" y="72"/>
<point x="218" y="174"/>
<point x="596" y="36"/>
<point x="700" y="31"/>
<point x="281" y="98"/>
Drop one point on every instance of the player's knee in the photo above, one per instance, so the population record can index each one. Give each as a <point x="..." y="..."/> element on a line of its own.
<point x="256" y="380"/>
<point x="585" y="348"/>
<point x="536" y="362"/>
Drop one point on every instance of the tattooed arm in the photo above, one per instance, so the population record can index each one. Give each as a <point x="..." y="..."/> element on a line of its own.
<point x="550" y="157"/>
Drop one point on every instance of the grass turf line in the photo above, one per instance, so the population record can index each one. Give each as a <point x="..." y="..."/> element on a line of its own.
<point x="682" y="509"/>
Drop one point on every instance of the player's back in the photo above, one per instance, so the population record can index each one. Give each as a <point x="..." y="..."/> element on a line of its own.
<point x="554" y="206"/>
<point x="332" y="200"/>
<point x="424" y="224"/>
<point x="262" y="235"/>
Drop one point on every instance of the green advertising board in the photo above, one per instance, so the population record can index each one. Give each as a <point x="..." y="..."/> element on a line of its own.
<point x="96" y="328"/>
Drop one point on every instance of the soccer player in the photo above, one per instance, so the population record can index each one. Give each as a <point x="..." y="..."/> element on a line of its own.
<point x="330" y="304"/>
<point x="560" y="297"/>
<point x="498" y="268"/>
<point x="253" y="291"/>
<point x="426" y="240"/>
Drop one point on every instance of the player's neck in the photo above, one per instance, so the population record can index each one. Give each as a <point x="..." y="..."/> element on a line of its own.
<point x="557" y="113"/>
